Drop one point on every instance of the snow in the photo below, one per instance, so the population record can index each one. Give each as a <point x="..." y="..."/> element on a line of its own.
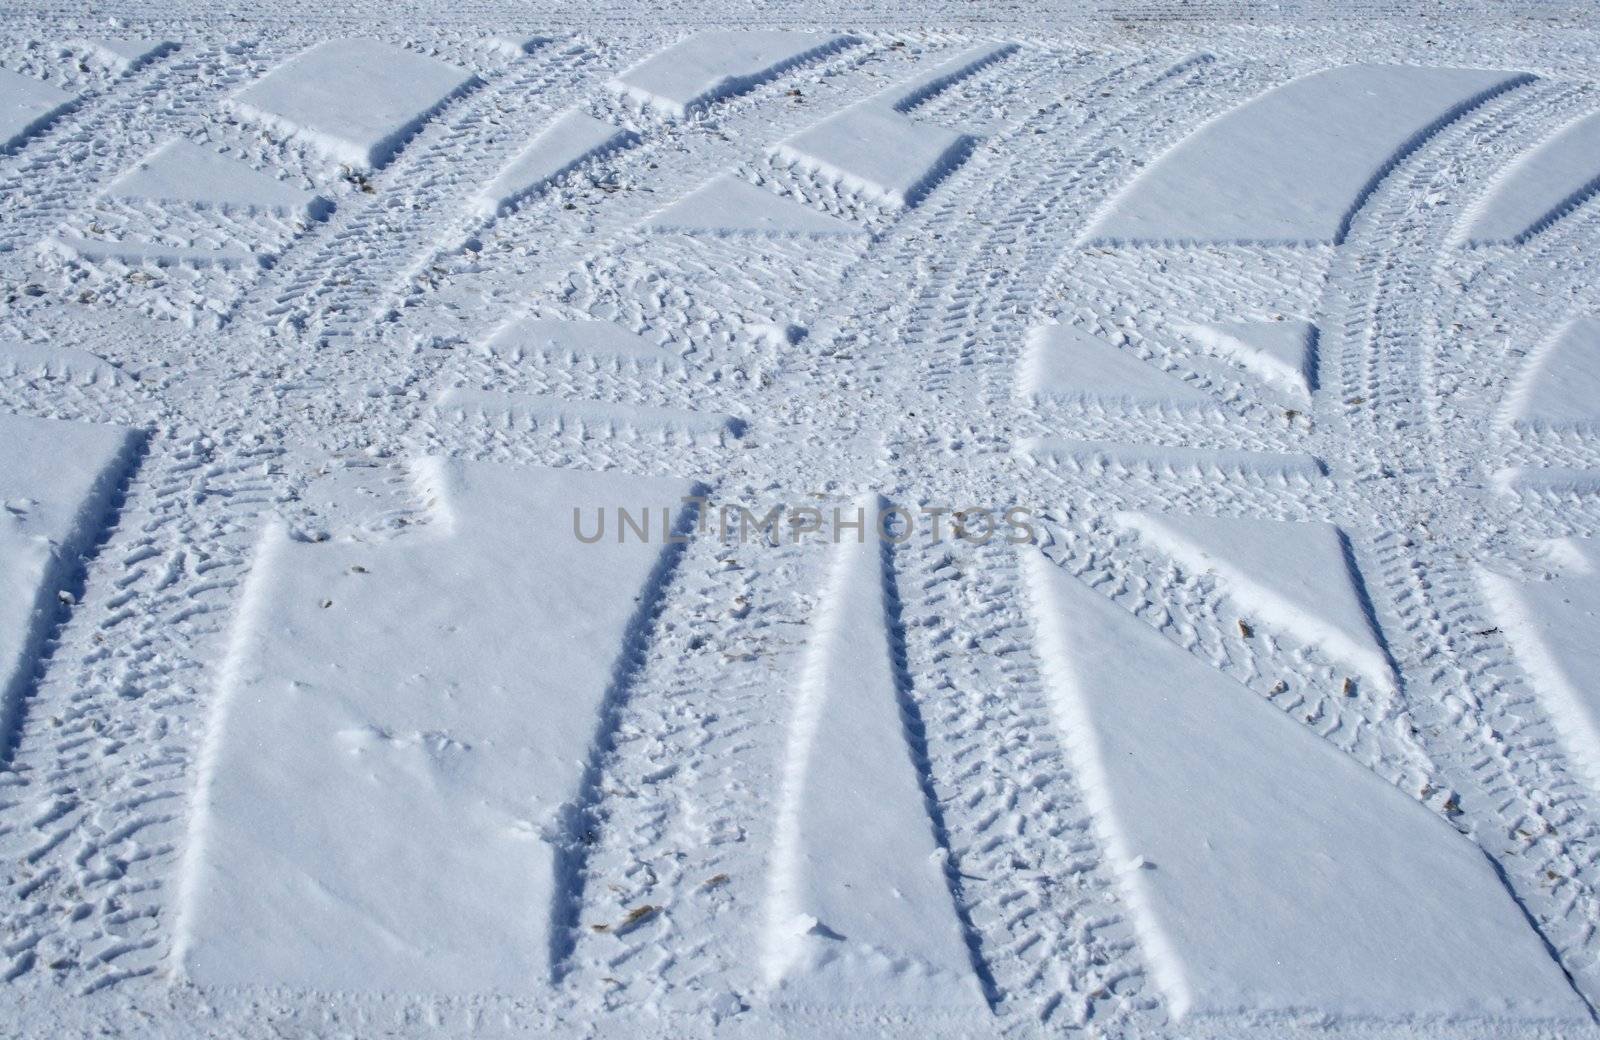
<point x="573" y="340"/>
<point x="572" y="139"/>
<point x="710" y="66"/>
<point x="1279" y="353"/>
<point x="27" y="105"/>
<point x="1549" y="480"/>
<point x="1560" y="388"/>
<point x="876" y="152"/>
<point x="1066" y="363"/>
<point x="324" y="720"/>
<point x="136" y="254"/>
<point x="22" y="360"/>
<point x="57" y="483"/>
<point x="184" y="172"/>
<point x="1541" y="187"/>
<point x="1550" y="620"/>
<point x="728" y="205"/>
<point x="1360" y="901"/>
<point x="1058" y="451"/>
<point x="873" y="149"/>
<point x="516" y="46"/>
<point x="447" y="686"/>
<point x="588" y="417"/>
<point x="908" y="95"/>
<point x="1286" y="575"/>
<point x="125" y="55"/>
<point x="354" y="100"/>
<point x="1293" y="164"/>
<point x="860" y="913"/>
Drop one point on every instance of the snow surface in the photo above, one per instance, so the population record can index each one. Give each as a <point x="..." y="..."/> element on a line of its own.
<point x="449" y="685"/>
<point x="1292" y="165"/>
<point x="589" y="417"/>
<point x="184" y="172"/>
<point x="1059" y="451"/>
<point x="875" y="150"/>
<point x="1281" y="353"/>
<point x="711" y="66"/>
<point x="1228" y="674"/>
<point x="57" y="482"/>
<point x="27" y="105"/>
<point x="1540" y="187"/>
<point x="1293" y="576"/>
<point x="572" y="340"/>
<point x="728" y="205"/>
<point x="1361" y="902"/>
<point x="1560" y="389"/>
<point x="1066" y="363"/>
<point x="860" y="913"/>
<point x="1550" y="622"/>
<point x="573" y="138"/>
<point x="125" y="55"/>
<point x="354" y="100"/>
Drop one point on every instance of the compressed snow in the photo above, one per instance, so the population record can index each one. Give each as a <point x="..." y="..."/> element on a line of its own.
<point x="1289" y="575"/>
<point x="573" y="138"/>
<point x="729" y="205"/>
<point x="860" y="915"/>
<point x="355" y="100"/>
<point x="402" y="722"/>
<point x="1169" y="460"/>
<point x="27" y="105"/>
<point x="57" y="481"/>
<point x="183" y="172"/>
<point x="717" y="64"/>
<point x="1266" y="870"/>
<point x="873" y="149"/>
<point x="1540" y="187"/>
<point x="588" y="417"/>
<point x="908" y="95"/>
<point x="1292" y="165"/>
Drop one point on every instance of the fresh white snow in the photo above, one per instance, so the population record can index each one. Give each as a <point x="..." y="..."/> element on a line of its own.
<point x="125" y="55"/>
<point x="1280" y="353"/>
<point x="354" y="100"/>
<point x="1292" y="165"/>
<point x="1549" y="618"/>
<point x="860" y="915"/>
<point x="187" y="173"/>
<point x="398" y="716"/>
<point x="1267" y="872"/>
<point x="1058" y="451"/>
<point x="57" y="483"/>
<point x="27" y="105"/>
<point x="1066" y="363"/>
<point x="1560" y="388"/>
<point x="1540" y="187"/>
<point x="713" y="65"/>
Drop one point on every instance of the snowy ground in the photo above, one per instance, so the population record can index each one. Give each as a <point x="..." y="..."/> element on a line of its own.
<point x="1271" y="707"/>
